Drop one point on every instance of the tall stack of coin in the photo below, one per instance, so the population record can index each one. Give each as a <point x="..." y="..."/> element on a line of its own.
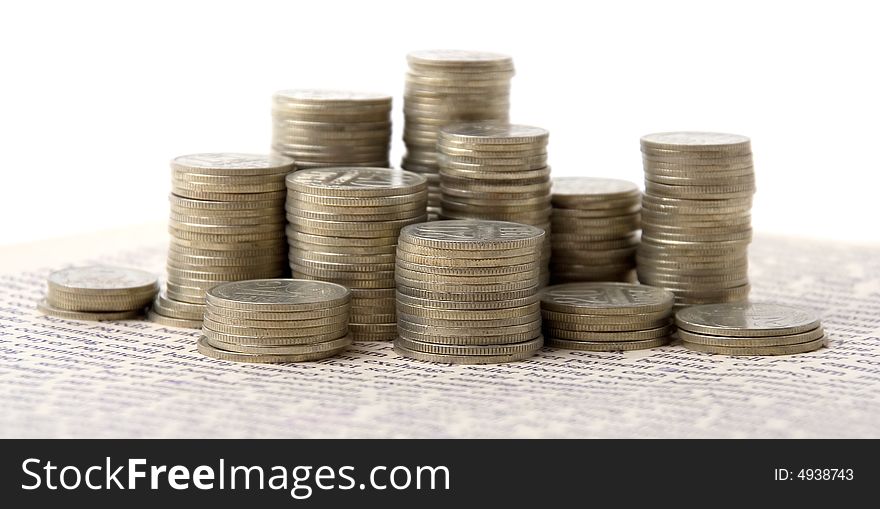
<point x="98" y="292"/>
<point x="275" y="320"/>
<point x="344" y="224"/>
<point x="496" y="171"/>
<point x="445" y="86"/>
<point x="467" y="291"/>
<point x="320" y="128"/>
<point x="606" y="317"/>
<point x="696" y="215"/>
<point x="227" y="224"/>
<point x="759" y="328"/>
<point x="595" y="226"/>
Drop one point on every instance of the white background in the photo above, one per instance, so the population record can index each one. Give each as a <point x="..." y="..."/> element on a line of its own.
<point x="98" y="96"/>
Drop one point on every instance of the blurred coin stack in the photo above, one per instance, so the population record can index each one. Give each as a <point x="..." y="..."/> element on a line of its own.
<point x="445" y="86"/>
<point x="227" y="224"/>
<point x="595" y="225"/>
<point x="759" y="328"/>
<point x="496" y="171"/>
<point x="696" y="215"/>
<point x="275" y="320"/>
<point x="320" y="128"/>
<point x="467" y="291"/>
<point x="343" y="228"/>
<point x="98" y="292"/>
<point x="606" y="317"/>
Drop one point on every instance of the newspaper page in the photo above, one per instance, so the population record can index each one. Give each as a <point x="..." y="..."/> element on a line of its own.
<point x="63" y="378"/>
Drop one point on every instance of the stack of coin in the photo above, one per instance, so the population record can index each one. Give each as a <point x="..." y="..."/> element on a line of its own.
<point x="467" y="291"/>
<point x="497" y="171"/>
<point x="606" y="317"/>
<point x="343" y="228"/>
<point x="98" y="292"/>
<point x="595" y="226"/>
<point x="445" y="86"/>
<point x="320" y="128"/>
<point x="758" y="328"/>
<point x="696" y="215"/>
<point x="275" y="320"/>
<point x="227" y="224"/>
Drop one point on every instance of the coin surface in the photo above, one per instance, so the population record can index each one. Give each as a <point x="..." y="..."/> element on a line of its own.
<point x="606" y="298"/>
<point x="278" y="295"/>
<point x="746" y="319"/>
<point x="103" y="280"/>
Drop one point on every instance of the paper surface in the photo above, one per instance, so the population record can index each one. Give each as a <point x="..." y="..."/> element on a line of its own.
<point x="61" y="378"/>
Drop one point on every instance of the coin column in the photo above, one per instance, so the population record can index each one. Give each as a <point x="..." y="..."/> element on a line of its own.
<point x="445" y="86"/>
<point x="344" y="224"/>
<point x="496" y="171"/>
<point x="227" y="224"/>
<point x="595" y="225"/>
<point x="606" y="317"/>
<point x="98" y="292"/>
<point x="696" y="215"/>
<point x="467" y="292"/>
<point x="320" y="128"/>
<point x="759" y="328"/>
<point x="275" y="320"/>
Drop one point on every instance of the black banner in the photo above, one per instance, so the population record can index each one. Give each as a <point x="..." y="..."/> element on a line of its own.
<point x="435" y="473"/>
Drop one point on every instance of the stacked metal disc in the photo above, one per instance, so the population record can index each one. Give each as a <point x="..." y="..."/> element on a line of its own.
<point x="496" y="171"/>
<point x="696" y="215"/>
<point x="227" y="224"/>
<point x="320" y="128"/>
<point x="759" y="328"/>
<point x="445" y="86"/>
<point x="606" y="317"/>
<point x="343" y="228"/>
<point x="467" y="291"/>
<point x="595" y="225"/>
<point x="98" y="292"/>
<point x="275" y="320"/>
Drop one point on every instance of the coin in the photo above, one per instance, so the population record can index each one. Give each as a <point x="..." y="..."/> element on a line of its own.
<point x="758" y="319"/>
<point x="286" y="295"/>
<point x="606" y="346"/>
<point x="462" y="359"/>
<point x="103" y="280"/>
<point x="808" y="346"/>
<point x="208" y="350"/>
<point x="786" y="339"/>
<point x="612" y="336"/>
<point x="154" y="316"/>
<point x="47" y="309"/>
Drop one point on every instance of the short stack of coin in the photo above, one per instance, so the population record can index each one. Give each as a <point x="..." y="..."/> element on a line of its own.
<point x="227" y="224"/>
<point x="275" y="320"/>
<point x="321" y="128"/>
<point x="98" y="292"/>
<point x="696" y="215"/>
<point x="757" y="328"/>
<point x="344" y="224"/>
<point x="496" y="171"/>
<point x="606" y="317"/>
<point x="595" y="225"/>
<point x="467" y="291"/>
<point x="445" y="86"/>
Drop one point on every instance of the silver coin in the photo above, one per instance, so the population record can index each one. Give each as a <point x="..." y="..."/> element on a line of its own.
<point x="278" y="295"/>
<point x="758" y="319"/>
<point x="103" y="280"/>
